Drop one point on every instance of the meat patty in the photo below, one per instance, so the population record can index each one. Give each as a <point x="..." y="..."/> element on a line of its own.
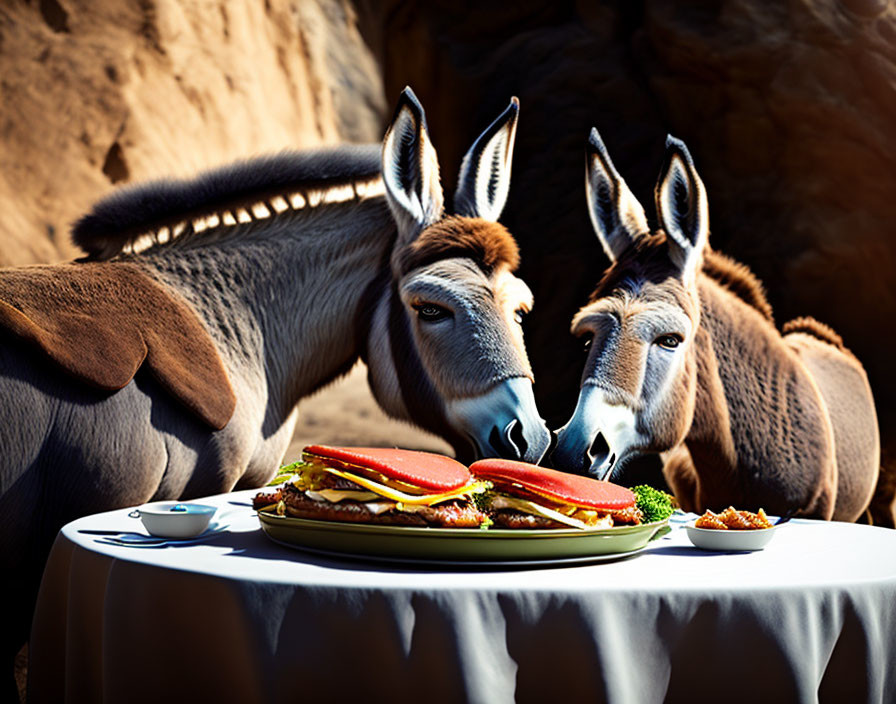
<point x="517" y="519"/>
<point x="509" y="518"/>
<point x="631" y="516"/>
<point x="452" y="514"/>
<point x="327" y="481"/>
<point x="263" y="499"/>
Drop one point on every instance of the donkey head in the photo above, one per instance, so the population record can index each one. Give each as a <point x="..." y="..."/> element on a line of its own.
<point x="639" y="382"/>
<point x="446" y="347"/>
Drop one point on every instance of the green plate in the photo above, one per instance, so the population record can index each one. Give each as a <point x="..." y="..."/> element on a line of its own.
<point x="458" y="545"/>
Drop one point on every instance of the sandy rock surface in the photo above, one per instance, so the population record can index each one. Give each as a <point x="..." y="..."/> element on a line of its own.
<point x="97" y="93"/>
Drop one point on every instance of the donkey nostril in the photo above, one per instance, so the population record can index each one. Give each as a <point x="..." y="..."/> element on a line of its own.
<point x="495" y="440"/>
<point x="509" y="443"/>
<point x="516" y="438"/>
<point x="598" y="451"/>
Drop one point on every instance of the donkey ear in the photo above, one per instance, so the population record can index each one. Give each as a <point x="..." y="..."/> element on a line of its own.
<point x="411" y="169"/>
<point x="682" y="207"/>
<point x="485" y="171"/>
<point x="616" y="214"/>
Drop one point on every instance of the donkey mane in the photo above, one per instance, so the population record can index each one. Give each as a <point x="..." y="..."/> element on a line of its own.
<point x="487" y="243"/>
<point x="646" y="258"/>
<point x="815" y="328"/>
<point x="122" y="218"/>
<point x="738" y="279"/>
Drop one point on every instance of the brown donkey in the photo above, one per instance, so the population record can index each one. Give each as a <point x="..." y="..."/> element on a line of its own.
<point x="685" y="361"/>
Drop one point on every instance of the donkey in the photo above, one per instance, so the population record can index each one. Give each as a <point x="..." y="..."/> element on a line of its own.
<point x="685" y="361"/>
<point x="370" y="266"/>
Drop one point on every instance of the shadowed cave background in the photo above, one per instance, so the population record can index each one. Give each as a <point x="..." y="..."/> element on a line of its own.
<point x="788" y="108"/>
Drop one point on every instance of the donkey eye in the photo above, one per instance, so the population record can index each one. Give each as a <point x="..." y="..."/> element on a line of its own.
<point x="669" y="342"/>
<point x="429" y="312"/>
<point x="588" y="341"/>
<point x="518" y="315"/>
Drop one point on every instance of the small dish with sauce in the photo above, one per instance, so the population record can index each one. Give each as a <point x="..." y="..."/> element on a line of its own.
<point x="174" y="519"/>
<point x="752" y="532"/>
<point x="730" y="540"/>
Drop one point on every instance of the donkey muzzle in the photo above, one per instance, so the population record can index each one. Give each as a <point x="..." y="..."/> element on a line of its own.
<point x="596" y="436"/>
<point x="503" y="422"/>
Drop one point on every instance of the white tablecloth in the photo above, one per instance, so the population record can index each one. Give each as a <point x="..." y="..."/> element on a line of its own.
<point x="238" y="618"/>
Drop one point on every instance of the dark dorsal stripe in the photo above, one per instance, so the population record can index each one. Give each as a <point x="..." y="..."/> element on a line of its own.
<point x="487" y="243"/>
<point x="117" y="220"/>
<point x="103" y="322"/>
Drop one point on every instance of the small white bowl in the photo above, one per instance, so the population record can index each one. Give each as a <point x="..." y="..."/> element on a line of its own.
<point x="730" y="540"/>
<point x="174" y="519"/>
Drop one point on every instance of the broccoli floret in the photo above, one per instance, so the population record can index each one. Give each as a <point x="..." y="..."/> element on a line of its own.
<point x="656" y="505"/>
<point x="483" y="498"/>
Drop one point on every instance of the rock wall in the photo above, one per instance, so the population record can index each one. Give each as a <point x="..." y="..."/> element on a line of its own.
<point x="788" y="109"/>
<point x="94" y="93"/>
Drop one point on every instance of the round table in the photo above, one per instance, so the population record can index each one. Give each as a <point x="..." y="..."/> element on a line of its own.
<point x="238" y="618"/>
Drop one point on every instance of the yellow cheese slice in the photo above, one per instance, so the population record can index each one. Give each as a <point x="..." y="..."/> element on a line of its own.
<point x="401" y="497"/>
<point x="364" y="497"/>
<point x="334" y="496"/>
<point x="530" y="507"/>
<point x="315" y="467"/>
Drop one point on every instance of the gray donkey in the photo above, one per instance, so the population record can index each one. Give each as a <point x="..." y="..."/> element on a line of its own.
<point x="291" y="297"/>
<point x="685" y="361"/>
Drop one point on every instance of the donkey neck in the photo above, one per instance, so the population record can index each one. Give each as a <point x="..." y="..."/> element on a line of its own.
<point x="758" y="416"/>
<point x="281" y="297"/>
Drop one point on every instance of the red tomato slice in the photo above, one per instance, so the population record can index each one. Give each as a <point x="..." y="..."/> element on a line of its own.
<point x="560" y="486"/>
<point x="421" y="469"/>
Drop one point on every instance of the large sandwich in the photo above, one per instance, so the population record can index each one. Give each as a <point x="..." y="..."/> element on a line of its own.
<point x="379" y="485"/>
<point x="527" y="496"/>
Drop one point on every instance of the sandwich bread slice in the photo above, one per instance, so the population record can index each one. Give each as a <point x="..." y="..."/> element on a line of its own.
<point x="524" y="495"/>
<point x="381" y="486"/>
